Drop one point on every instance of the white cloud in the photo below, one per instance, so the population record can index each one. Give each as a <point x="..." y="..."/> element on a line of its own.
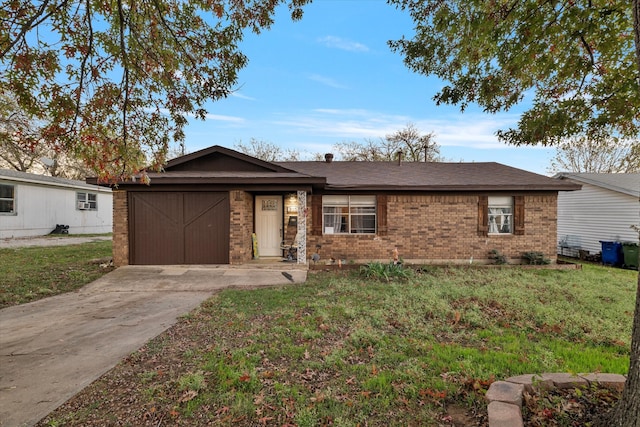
<point x="327" y="81"/>
<point x="223" y="118"/>
<point x="208" y="116"/>
<point x="465" y="130"/>
<point x="343" y="44"/>
<point x="241" y="96"/>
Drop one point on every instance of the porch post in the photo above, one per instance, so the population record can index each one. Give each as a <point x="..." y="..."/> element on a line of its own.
<point x="302" y="227"/>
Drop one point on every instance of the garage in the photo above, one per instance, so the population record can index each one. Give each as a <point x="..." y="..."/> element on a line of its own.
<point x="171" y="227"/>
<point x="200" y="209"/>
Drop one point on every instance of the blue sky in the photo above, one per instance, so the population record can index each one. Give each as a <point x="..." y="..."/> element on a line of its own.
<point x="331" y="78"/>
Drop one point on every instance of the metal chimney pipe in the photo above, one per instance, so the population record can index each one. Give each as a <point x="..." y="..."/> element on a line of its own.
<point x="399" y="153"/>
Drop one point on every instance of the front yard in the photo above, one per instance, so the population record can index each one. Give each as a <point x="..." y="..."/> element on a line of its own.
<point x="31" y="273"/>
<point x="342" y="350"/>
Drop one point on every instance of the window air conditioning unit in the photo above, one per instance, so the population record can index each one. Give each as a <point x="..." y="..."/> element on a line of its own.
<point x="83" y="205"/>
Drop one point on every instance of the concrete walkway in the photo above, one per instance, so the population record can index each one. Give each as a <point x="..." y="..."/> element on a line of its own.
<point x="53" y="348"/>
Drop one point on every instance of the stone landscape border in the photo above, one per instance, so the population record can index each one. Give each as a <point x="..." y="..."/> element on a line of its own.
<point x="505" y="397"/>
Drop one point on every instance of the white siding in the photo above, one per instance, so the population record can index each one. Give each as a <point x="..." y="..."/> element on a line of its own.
<point x="40" y="207"/>
<point x="594" y="213"/>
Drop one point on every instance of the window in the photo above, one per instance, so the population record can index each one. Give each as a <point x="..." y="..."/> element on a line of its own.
<point x="500" y="215"/>
<point x="87" y="201"/>
<point x="7" y="199"/>
<point x="349" y="214"/>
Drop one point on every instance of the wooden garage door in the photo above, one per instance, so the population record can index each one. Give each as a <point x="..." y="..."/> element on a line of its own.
<point x="179" y="227"/>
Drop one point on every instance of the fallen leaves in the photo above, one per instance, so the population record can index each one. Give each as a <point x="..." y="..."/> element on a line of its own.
<point x="187" y="396"/>
<point x="433" y="394"/>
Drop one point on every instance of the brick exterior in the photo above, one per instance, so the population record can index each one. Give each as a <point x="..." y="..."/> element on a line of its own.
<point x="444" y="229"/>
<point x="241" y="227"/>
<point x="429" y="228"/>
<point x="120" y="228"/>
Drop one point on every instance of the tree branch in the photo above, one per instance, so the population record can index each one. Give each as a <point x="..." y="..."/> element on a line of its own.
<point x="32" y="23"/>
<point x="83" y="66"/>
<point x="125" y="65"/>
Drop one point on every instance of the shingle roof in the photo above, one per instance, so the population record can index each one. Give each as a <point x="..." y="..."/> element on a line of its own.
<point x="627" y="183"/>
<point x="209" y="166"/>
<point x="232" y="177"/>
<point x="435" y="176"/>
<point x="12" y="175"/>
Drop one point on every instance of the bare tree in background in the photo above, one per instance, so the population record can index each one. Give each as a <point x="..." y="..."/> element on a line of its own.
<point x="599" y="155"/>
<point x="415" y="146"/>
<point x="266" y="151"/>
<point x="22" y="147"/>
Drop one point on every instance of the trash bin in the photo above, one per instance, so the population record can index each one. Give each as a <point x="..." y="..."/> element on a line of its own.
<point x="630" y="255"/>
<point x="611" y="253"/>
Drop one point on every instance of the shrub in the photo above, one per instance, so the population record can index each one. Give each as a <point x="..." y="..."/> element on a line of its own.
<point x="497" y="257"/>
<point x="535" y="258"/>
<point x="386" y="272"/>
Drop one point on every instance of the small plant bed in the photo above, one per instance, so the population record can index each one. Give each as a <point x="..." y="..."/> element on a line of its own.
<point x="570" y="407"/>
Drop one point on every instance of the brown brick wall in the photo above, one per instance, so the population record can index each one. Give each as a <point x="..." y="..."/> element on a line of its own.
<point x="241" y="226"/>
<point x="424" y="228"/>
<point x="120" y="228"/>
<point x="443" y="228"/>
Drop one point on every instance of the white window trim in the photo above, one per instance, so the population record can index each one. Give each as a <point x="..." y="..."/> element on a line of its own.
<point x="84" y="202"/>
<point x="14" y="212"/>
<point x="500" y="202"/>
<point x="351" y="201"/>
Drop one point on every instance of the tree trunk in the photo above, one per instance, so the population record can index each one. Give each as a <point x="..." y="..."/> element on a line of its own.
<point x="627" y="412"/>
<point x="636" y="31"/>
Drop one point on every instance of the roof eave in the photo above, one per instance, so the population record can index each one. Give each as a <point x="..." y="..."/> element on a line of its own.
<point x="594" y="182"/>
<point x="78" y="186"/>
<point x="174" y="180"/>
<point x="445" y="188"/>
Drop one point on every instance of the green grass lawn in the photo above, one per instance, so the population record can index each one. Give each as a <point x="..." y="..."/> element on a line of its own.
<point x="343" y="350"/>
<point x="28" y="274"/>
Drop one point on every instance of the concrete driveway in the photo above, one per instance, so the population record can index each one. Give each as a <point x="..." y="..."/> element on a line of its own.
<point x="53" y="348"/>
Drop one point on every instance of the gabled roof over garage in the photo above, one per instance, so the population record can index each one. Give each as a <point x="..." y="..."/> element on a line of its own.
<point x="221" y="159"/>
<point x="221" y="166"/>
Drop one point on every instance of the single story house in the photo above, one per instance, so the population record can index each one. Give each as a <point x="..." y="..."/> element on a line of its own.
<point x="219" y="206"/>
<point x="32" y="205"/>
<point x="603" y="210"/>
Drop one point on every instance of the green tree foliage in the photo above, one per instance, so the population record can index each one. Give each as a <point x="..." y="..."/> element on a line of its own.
<point x="575" y="57"/>
<point x="579" y="58"/>
<point x="607" y="155"/>
<point x="117" y="81"/>
<point x="415" y="147"/>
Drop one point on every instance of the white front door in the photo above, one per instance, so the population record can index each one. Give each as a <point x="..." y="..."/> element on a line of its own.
<point x="269" y="225"/>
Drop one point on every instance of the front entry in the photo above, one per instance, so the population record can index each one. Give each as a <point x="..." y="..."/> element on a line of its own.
<point x="269" y="225"/>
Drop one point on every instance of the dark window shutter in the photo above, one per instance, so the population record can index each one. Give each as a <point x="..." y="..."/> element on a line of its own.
<point x="381" y="212"/>
<point x="518" y="215"/>
<point x="483" y="215"/>
<point x="316" y="215"/>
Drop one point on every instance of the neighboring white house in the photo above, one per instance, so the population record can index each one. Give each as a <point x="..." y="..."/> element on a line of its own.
<point x="605" y="209"/>
<point x="32" y="205"/>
